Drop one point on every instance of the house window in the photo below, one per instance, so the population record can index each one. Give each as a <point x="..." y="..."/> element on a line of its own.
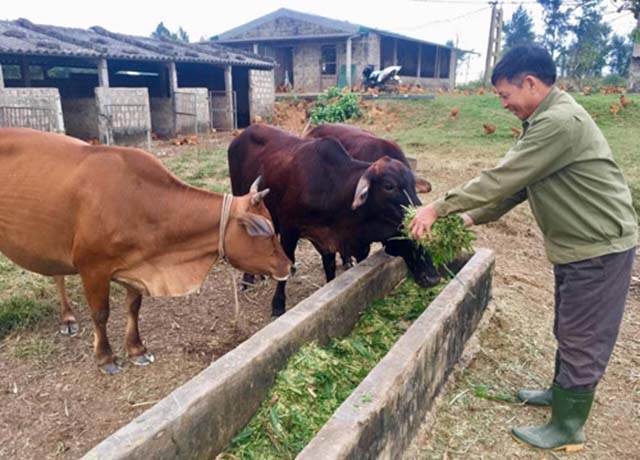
<point x="328" y="62"/>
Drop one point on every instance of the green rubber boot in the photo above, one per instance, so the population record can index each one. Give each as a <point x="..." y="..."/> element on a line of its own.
<point x="536" y="397"/>
<point x="540" y="398"/>
<point x="569" y="412"/>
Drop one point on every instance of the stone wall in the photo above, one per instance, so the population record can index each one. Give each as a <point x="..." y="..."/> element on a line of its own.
<point x="38" y="108"/>
<point x="306" y="67"/>
<point x="124" y="115"/>
<point x="81" y="117"/>
<point x="262" y="95"/>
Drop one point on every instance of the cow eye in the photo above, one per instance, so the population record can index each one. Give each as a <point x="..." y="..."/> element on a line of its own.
<point x="388" y="186"/>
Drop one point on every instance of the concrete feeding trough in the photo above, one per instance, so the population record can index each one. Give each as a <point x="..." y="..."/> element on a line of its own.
<point x="199" y="419"/>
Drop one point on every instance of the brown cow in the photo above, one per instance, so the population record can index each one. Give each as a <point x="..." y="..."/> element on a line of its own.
<point x="365" y="146"/>
<point x="112" y="213"/>
<point x="320" y="193"/>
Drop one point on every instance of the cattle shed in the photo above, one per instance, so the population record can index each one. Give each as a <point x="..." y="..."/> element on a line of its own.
<point x="313" y="53"/>
<point x="116" y="88"/>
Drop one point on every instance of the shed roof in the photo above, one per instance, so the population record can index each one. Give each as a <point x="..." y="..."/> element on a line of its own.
<point x="24" y="37"/>
<point x="329" y="28"/>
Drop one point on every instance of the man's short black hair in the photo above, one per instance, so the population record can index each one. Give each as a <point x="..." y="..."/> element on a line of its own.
<point x="523" y="60"/>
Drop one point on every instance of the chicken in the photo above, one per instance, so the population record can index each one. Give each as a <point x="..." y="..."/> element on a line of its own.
<point x="586" y="90"/>
<point x="454" y="112"/>
<point x="614" y="109"/>
<point x="481" y="91"/>
<point x="624" y="101"/>
<point x="515" y="132"/>
<point x="489" y="129"/>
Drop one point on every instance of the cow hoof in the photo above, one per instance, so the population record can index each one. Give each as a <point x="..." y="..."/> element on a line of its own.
<point x="69" y="328"/>
<point x="427" y="281"/>
<point x="143" y="360"/>
<point x="110" y="368"/>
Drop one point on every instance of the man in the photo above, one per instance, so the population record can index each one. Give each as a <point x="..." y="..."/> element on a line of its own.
<point x="563" y="166"/>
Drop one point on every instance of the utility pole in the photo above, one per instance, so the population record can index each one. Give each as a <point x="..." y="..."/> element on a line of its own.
<point x="495" y="42"/>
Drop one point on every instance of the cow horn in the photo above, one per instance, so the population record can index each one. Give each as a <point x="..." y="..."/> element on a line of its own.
<point x="258" y="197"/>
<point x="256" y="183"/>
<point x="362" y="192"/>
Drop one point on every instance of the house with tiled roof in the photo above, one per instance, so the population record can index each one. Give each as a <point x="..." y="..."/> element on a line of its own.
<point x="313" y="52"/>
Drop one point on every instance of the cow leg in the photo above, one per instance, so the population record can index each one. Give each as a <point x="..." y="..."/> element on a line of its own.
<point x="329" y="265"/>
<point x="68" y="324"/>
<point x="289" y="241"/>
<point x="137" y="352"/>
<point x="96" y="288"/>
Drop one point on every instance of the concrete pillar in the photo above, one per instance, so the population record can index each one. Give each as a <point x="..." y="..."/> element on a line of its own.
<point x="348" y="69"/>
<point x="452" y="68"/>
<point x="103" y="73"/>
<point x="228" y="88"/>
<point x="173" y="78"/>
<point x="436" y="67"/>
<point x="419" y="70"/>
<point x="24" y="71"/>
<point x="395" y="51"/>
<point x="255" y="48"/>
<point x="1" y="78"/>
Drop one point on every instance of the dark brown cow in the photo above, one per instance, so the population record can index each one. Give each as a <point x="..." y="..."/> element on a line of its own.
<point x="319" y="192"/>
<point x="366" y="146"/>
<point x="117" y="214"/>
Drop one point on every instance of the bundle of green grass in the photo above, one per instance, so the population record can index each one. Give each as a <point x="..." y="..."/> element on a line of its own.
<point x="449" y="237"/>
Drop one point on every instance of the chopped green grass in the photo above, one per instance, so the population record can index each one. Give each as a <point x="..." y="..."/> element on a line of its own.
<point x="318" y="379"/>
<point x="449" y="238"/>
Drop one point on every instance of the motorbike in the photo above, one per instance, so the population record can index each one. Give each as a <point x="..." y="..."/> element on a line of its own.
<point x="386" y="79"/>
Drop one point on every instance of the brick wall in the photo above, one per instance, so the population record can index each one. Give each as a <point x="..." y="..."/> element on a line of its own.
<point x="262" y="94"/>
<point x="38" y="108"/>
<point x="306" y="67"/>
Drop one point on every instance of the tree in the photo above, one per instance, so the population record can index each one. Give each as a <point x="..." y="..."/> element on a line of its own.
<point x="518" y="30"/>
<point x="620" y="55"/>
<point x="556" y="26"/>
<point x="587" y="54"/>
<point x="163" y="32"/>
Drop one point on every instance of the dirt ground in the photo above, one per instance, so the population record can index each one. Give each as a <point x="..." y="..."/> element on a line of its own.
<point x="515" y="349"/>
<point x="56" y="404"/>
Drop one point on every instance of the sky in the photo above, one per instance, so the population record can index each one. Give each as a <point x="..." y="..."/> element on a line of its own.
<point x="465" y="22"/>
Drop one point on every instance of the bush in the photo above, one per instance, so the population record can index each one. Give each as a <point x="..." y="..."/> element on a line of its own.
<point x="333" y="106"/>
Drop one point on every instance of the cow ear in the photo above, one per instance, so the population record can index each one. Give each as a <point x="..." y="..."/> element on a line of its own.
<point x="362" y="192"/>
<point x="256" y="225"/>
<point x="422" y="185"/>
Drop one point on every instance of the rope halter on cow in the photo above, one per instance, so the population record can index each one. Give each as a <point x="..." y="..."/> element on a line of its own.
<point x="224" y="219"/>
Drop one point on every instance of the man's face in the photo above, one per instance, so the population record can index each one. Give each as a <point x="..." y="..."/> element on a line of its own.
<point x="519" y="97"/>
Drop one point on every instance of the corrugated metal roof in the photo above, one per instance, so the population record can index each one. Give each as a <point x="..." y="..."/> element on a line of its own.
<point x="24" y="37"/>
<point x="341" y="29"/>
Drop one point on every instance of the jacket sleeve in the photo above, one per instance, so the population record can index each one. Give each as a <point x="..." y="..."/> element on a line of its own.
<point x="545" y="149"/>
<point x="493" y="211"/>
